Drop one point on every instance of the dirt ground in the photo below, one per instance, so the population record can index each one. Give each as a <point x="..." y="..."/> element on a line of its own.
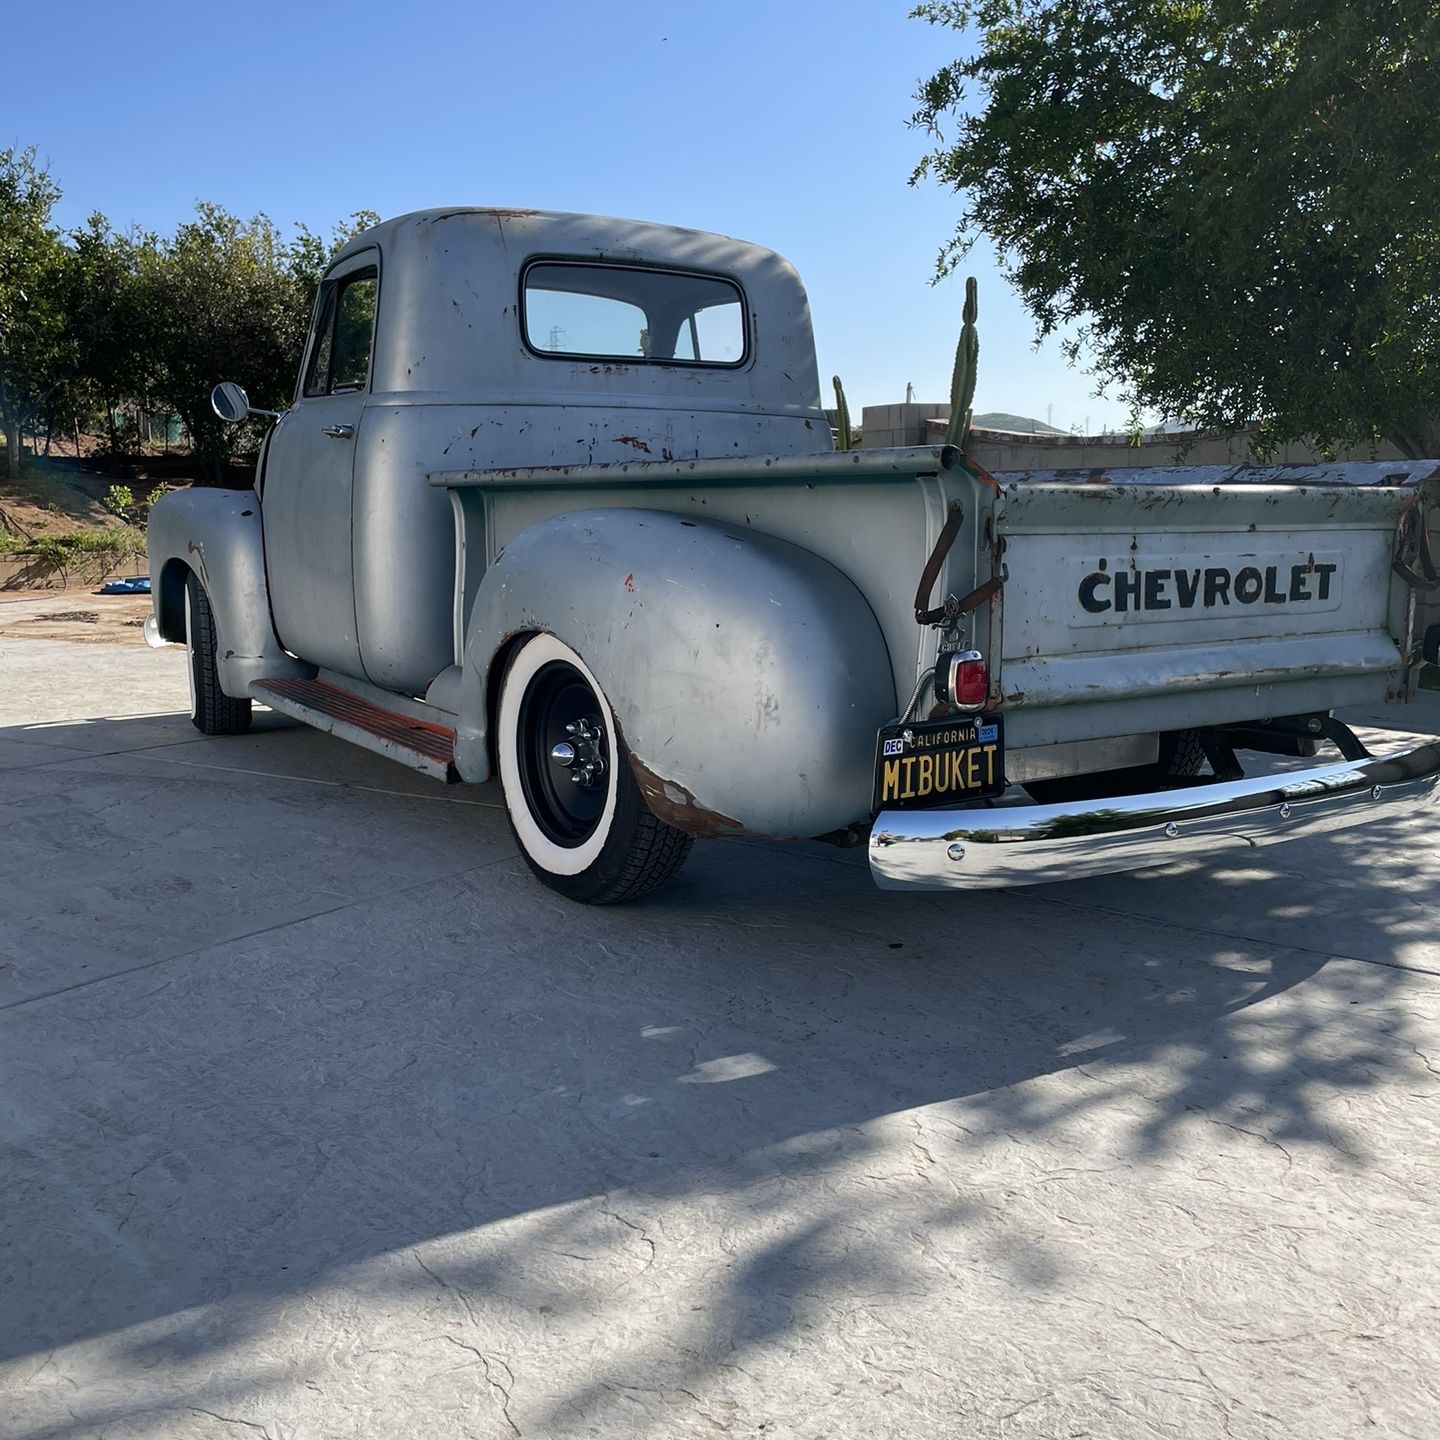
<point x="57" y="498"/>
<point x="60" y="493"/>
<point x="76" y="613"/>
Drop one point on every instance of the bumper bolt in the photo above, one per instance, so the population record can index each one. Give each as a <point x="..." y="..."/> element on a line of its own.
<point x="1171" y="830"/>
<point x="956" y="852"/>
<point x="1285" y="811"/>
<point x="1375" y="792"/>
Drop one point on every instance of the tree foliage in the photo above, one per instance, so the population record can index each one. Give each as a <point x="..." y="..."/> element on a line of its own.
<point x="93" y="319"/>
<point x="102" y="308"/>
<point x="32" y="320"/>
<point x="217" y="300"/>
<point x="1230" y="206"/>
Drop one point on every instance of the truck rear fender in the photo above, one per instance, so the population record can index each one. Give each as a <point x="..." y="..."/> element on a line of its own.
<point x="747" y="675"/>
<point x="218" y="535"/>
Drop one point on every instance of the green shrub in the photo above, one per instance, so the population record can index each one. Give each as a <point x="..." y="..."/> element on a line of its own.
<point x="121" y="500"/>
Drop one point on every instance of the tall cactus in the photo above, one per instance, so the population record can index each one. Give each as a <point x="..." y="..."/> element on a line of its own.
<point x="967" y="358"/>
<point x="843" y="438"/>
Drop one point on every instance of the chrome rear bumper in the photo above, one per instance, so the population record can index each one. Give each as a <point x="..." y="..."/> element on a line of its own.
<point x="1036" y="844"/>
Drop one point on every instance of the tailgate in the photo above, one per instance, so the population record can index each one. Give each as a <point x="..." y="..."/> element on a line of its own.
<point x="1210" y="603"/>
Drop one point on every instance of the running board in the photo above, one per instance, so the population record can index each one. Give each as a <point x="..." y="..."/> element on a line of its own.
<point x="417" y="743"/>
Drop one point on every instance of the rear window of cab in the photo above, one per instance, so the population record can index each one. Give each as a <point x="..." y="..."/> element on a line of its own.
<point x="632" y="315"/>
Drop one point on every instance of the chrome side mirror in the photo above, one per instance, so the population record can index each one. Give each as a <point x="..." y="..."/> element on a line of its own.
<point x="232" y="404"/>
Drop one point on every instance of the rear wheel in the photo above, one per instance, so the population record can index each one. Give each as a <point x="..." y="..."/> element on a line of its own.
<point x="577" y="813"/>
<point x="212" y="711"/>
<point x="1181" y="758"/>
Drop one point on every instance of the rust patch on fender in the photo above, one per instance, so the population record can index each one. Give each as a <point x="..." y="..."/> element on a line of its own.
<point x="633" y="441"/>
<point x="676" y="806"/>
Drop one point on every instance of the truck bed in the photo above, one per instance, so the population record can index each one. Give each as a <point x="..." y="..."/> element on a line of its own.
<point x="1211" y="610"/>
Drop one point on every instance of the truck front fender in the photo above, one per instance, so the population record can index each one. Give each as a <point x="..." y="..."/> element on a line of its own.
<point x="747" y="675"/>
<point x="218" y="534"/>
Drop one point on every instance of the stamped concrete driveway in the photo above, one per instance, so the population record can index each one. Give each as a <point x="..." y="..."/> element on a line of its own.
<point x="321" y="1119"/>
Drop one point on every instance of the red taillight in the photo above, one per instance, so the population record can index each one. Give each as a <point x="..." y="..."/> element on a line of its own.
<point x="969" y="680"/>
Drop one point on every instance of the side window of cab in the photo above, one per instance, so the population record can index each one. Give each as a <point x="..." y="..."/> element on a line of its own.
<point x="344" y="339"/>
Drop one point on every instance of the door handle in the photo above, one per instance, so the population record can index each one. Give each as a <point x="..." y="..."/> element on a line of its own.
<point x="338" y="432"/>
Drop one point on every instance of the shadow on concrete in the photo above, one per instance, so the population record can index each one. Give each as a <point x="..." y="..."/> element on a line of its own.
<point x="444" y="1047"/>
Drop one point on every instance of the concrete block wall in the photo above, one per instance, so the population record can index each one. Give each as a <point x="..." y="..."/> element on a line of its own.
<point x="889" y="425"/>
<point x="1013" y="450"/>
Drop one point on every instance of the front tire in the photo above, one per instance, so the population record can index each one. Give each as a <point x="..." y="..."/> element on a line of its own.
<point x="590" y="838"/>
<point x="212" y="711"/>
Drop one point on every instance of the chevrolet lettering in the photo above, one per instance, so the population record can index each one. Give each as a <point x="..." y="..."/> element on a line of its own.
<point x="1180" y="590"/>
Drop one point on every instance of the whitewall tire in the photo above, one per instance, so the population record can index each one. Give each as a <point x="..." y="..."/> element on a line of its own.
<point x="577" y="813"/>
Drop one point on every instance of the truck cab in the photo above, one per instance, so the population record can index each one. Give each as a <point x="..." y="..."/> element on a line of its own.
<point x="432" y="347"/>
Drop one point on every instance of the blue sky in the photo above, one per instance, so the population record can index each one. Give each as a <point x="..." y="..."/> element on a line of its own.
<point x="780" y="122"/>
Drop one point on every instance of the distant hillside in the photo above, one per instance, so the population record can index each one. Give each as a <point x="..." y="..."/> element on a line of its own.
<point x="999" y="420"/>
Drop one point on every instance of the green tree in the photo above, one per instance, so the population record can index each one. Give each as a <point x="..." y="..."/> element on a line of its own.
<point x="217" y="301"/>
<point x="1230" y="206"/>
<point x="310" y="253"/>
<point x="225" y="299"/>
<point x="104" y="322"/>
<point x="32" y="322"/>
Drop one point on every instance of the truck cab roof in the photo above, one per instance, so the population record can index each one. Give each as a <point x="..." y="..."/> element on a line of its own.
<point x="459" y="317"/>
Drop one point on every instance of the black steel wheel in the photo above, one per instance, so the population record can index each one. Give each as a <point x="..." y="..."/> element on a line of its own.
<point x="564" y="754"/>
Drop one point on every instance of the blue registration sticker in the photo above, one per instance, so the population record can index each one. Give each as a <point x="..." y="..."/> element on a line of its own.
<point x="986" y="732"/>
<point x="895" y="747"/>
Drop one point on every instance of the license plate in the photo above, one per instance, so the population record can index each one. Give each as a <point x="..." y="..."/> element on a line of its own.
<point x="939" y="762"/>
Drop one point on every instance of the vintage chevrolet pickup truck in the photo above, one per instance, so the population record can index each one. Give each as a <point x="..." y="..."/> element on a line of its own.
<point x="557" y="502"/>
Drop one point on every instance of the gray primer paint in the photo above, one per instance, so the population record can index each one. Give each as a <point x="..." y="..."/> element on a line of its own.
<point x="748" y="673"/>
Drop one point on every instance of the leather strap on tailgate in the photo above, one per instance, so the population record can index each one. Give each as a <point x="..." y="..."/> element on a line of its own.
<point x="1415" y="547"/>
<point x="924" y="615"/>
